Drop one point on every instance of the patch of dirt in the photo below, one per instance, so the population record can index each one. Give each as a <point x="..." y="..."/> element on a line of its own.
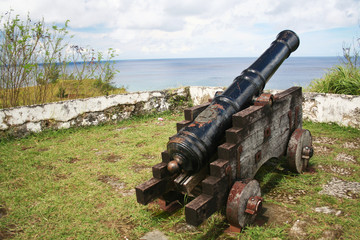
<point x="123" y="226"/>
<point x="336" y="169"/>
<point x="274" y="214"/>
<point x="100" y="205"/>
<point x="342" y="189"/>
<point x="122" y="128"/>
<point x="324" y="140"/>
<point x="24" y="148"/>
<point x="298" y="230"/>
<point x="44" y="167"/>
<point x="156" y="135"/>
<point x="61" y="177"/>
<point x="328" y="210"/>
<point x="121" y="142"/>
<point x="351" y="145"/>
<point x="112" y="181"/>
<point x="148" y="156"/>
<point x="73" y="160"/>
<point x="322" y="150"/>
<point x="156" y="234"/>
<point x="137" y="168"/>
<point x="117" y="185"/>
<point x="3" y="211"/>
<point x="140" y="144"/>
<point x="290" y="198"/>
<point x="113" y="158"/>
<point x="184" y="227"/>
<point x="43" y="149"/>
<point x="343" y="157"/>
<point x="100" y="152"/>
<point x="9" y="231"/>
<point x="335" y="233"/>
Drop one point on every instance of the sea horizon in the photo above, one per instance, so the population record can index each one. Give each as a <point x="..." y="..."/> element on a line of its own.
<point x="164" y="73"/>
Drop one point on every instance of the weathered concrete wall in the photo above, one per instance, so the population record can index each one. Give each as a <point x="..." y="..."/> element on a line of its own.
<point x="20" y="121"/>
<point x="341" y="109"/>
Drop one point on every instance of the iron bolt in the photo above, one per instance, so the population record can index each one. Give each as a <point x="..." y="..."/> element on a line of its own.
<point x="254" y="205"/>
<point x="307" y="152"/>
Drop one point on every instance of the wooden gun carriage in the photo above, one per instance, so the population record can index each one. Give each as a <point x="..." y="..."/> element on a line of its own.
<point x="221" y="145"/>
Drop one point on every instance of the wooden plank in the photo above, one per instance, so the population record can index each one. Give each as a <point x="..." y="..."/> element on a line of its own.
<point x="160" y="170"/>
<point x="165" y="156"/>
<point x="218" y="188"/>
<point x="227" y="151"/>
<point x="293" y="91"/>
<point x="152" y="189"/>
<point x="250" y="115"/>
<point x="199" y="209"/>
<point x="218" y="168"/>
<point x="235" y="135"/>
<point x="193" y="112"/>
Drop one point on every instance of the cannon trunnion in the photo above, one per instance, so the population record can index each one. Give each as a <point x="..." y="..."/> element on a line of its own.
<point x="219" y="173"/>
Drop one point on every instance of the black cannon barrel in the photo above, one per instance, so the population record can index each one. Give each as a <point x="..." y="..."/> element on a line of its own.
<point x="192" y="146"/>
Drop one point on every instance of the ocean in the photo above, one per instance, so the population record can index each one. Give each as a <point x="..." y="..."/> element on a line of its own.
<point x="159" y="74"/>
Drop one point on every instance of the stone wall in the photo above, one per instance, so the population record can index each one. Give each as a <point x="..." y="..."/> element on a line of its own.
<point x="19" y="121"/>
<point x="341" y="109"/>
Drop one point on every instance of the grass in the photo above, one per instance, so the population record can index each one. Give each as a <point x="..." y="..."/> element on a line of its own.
<point x="341" y="79"/>
<point x="64" y="90"/>
<point x="79" y="184"/>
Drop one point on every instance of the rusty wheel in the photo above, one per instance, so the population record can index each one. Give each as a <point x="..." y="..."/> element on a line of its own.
<point x="244" y="202"/>
<point x="299" y="150"/>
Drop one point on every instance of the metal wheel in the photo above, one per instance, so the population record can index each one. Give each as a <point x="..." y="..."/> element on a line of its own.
<point x="244" y="202"/>
<point x="299" y="150"/>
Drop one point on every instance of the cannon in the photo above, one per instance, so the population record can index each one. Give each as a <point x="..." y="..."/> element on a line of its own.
<point x="220" y="146"/>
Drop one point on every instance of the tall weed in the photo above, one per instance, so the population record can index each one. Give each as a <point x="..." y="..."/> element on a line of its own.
<point x="341" y="79"/>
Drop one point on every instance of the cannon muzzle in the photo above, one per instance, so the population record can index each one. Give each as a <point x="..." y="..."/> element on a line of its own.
<point x="191" y="148"/>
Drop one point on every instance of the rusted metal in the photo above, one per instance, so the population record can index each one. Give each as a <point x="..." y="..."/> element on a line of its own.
<point x="169" y="207"/>
<point x="267" y="133"/>
<point x="307" y="152"/>
<point x="254" y="205"/>
<point x="264" y="99"/>
<point x="298" y="159"/>
<point x="258" y="156"/>
<point x="238" y="202"/>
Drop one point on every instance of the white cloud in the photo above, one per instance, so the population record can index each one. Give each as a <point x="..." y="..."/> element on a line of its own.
<point x="144" y="28"/>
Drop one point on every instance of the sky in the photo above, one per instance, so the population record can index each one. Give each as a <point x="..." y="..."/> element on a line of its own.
<point x="150" y="29"/>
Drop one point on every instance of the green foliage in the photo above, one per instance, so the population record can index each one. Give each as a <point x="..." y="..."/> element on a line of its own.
<point x="29" y="51"/>
<point x="341" y="79"/>
<point x="61" y="93"/>
<point x="33" y="54"/>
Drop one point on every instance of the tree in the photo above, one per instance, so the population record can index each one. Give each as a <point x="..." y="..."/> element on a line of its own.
<point x="28" y="55"/>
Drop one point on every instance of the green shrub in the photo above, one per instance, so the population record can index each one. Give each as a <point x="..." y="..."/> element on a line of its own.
<point x="341" y="79"/>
